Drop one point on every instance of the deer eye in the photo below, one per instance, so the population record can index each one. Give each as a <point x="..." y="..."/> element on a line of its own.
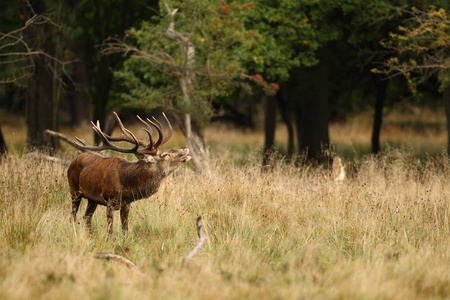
<point x="164" y="155"/>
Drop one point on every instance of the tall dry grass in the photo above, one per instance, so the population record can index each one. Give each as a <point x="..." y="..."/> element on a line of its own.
<point x="292" y="233"/>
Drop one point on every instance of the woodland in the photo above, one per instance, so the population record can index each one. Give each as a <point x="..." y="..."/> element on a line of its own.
<point x="253" y="64"/>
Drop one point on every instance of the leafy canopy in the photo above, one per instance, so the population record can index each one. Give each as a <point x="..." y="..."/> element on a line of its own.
<point x="422" y="46"/>
<point x="217" y="44"/>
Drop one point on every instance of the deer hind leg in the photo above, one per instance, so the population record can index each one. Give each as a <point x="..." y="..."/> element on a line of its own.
<point x="91" y="207"/>
<point x="76" y="200"/>
<point x="124" y="210"/>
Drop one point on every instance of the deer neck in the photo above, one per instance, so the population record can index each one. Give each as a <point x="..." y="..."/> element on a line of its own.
<point x="153" y="172"/>
<point x="141" y="180"/>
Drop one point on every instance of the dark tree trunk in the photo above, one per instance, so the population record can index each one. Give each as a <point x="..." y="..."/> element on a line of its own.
<point x="380" y="95"/>
<point x="286" y="114"/>
<point x="41" y="99"/>
<point x="269" y="128"/>
<point x="101" y="96"/>
<point x="78" y="94"/>
<point x="446" y="98"/>
<point x="309" y="93"/>
<point x="3" y="149"/>
<point x="39" y="108"/>
<point x="98" y="24"/>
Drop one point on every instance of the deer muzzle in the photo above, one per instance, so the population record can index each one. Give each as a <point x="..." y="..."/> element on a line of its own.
<point x="186" y="157"/>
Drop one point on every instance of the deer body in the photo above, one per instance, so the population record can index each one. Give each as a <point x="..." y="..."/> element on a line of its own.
<point x="101" y="178"/>
<point x="115" y="182"/>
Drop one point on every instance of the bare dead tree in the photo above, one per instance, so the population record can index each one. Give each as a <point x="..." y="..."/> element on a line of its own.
<point x="184" y="72"/>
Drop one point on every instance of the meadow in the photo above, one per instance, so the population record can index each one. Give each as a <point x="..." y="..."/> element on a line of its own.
<point x="291" y="233"/>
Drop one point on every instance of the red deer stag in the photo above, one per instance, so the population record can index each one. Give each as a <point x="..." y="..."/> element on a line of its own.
<point x="115" y="182"/>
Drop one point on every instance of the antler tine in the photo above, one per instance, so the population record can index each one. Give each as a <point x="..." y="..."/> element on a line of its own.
<point x="159" y="129"/>
<point x="107" y="141"/>
<point x="80" y="141"/>
<point x="169" y="134"/>
<point x="145" y="123"/>
<point x="80" y="144"/>
<point x="149" y="144"/>
<point x="150" y="140"/>
<point x="158" y="122"/>
<point x="126" y="135"/>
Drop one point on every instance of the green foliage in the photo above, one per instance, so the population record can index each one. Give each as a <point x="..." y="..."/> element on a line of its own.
<point x="290" y="36"/>
<point x="293" y="31"/>
<point x="421" y="46"/>
<point x="154" y="72"/>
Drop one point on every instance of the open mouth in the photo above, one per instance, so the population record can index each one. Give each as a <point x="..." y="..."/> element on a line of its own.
<point x="185" y="158"/>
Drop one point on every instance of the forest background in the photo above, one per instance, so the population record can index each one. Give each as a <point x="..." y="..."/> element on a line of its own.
<point x="255" y="64"/>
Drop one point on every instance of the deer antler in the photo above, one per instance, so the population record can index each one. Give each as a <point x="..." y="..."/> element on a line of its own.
<point x="128" y="136"/>
<point x="161" y="140"/>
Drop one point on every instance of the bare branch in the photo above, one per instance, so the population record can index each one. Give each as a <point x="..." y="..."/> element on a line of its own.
<point x="155" y="58"/>
<point x="120" y="259"/>
<point x="170" y="32"/>
<point x="421" y="47"/>
<point x="14" y="40"/>
<point x="202" y="239"/>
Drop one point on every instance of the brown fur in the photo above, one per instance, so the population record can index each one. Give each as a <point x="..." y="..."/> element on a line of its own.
<point x="115" y="182"/>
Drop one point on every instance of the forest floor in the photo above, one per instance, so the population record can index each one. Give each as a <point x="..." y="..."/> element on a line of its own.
<point x="291" y="233"/>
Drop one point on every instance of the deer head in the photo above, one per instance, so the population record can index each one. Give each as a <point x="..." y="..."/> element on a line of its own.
<point x="150" y="152"/>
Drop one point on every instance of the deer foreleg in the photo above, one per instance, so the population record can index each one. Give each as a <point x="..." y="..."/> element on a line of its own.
<point x="124" y="210"/>
<point x="88" y="215"/>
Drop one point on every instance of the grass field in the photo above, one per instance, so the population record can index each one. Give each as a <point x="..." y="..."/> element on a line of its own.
<point x="292" y="233"/>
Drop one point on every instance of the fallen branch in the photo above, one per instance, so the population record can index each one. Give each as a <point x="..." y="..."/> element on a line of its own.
<point x="131" y="265"/>
<point x="202" y="240"/>
<point x="118" y="258"/>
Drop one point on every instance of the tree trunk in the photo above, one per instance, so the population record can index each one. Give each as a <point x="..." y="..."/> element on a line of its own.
<point x="39" y="107"/>
<point x="197" y="144"/>
<point x="44" y="87"/>
<point x="193" y="131"/>
<point x="101" y="95"/>
<point x="287" y="118"/>
<point x="3" y="149"/>
<point x="446" y="98"/>
<point x="310" y="95"/>
<point x="269" y="129"/>
<point x="380" y="94"/>
<point x="78" y="94"/>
